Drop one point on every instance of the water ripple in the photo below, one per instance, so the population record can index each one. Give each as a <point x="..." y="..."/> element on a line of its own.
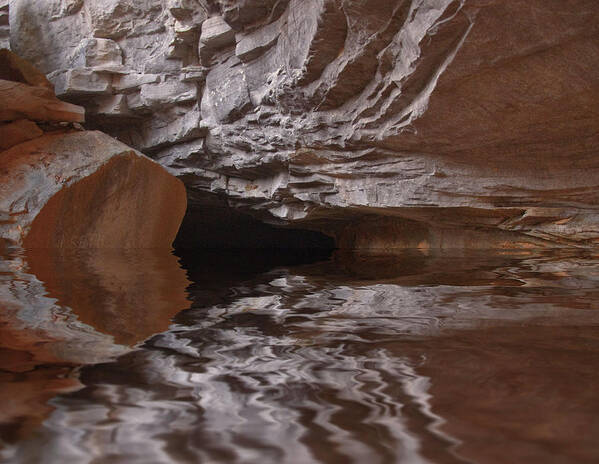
<point x="425" y="360"/>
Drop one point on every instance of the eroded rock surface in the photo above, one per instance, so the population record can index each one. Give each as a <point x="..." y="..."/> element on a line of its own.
<point x="4" y="25"/>
<point x="63" y="187"/>
<point x="428" y="123"/>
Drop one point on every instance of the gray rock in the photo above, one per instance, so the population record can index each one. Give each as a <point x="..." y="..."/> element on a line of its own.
<point x="112" y="106"/>
<point x="81" y="82"/>
<point x="170" y="127"/>
<point x="216" y="33"/>
<point x="133" y="81"/>
<point x="167" y="93"/>
<point x="251" y="46"/>
<point x="4" y="25"/>
<point x="96" y="52"/>
<point x="193" y="74"/>
<point x="226" y="95"/>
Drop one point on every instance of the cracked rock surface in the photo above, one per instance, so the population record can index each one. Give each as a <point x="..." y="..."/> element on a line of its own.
<point x="384" y="123"/>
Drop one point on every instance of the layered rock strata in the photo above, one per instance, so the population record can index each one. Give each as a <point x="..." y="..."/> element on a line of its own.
<point x="387" y="124"/>
<point x="4" y="25"/>
<point x="63" y="187"/>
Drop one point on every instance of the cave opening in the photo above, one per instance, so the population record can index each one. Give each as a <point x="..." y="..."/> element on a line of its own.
<point x="214" y="232"/>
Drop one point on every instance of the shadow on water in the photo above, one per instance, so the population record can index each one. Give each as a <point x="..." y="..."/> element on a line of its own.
<point x="301" y="358"/>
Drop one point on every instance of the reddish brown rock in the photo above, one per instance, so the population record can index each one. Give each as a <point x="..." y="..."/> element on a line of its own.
<point x="16" y="69"/>
<point x="17" y="132"/>
<point x="73" y="189"/>
<point x="18" y="101"/>
<point x="86" y="190"/>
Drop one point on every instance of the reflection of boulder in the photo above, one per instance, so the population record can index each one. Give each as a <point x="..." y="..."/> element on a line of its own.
<point x="127" y="294"/>
<point x="41" y="344"/>
<point x="29" y="393"/>
<point x="61" y="311"/>
<point x="61" y="187"/>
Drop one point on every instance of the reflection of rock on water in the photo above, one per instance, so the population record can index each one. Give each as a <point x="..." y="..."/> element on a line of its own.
<point x="61" y="310"/>
<point x="128" y="294"/>
<point x="412" y="359"/>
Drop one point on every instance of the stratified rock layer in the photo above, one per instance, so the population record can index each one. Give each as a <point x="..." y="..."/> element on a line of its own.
<point x="429" y="123"/>
<point x="62" y="187"/>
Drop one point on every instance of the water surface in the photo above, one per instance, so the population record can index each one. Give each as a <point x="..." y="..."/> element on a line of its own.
<point x="453" y="358"/>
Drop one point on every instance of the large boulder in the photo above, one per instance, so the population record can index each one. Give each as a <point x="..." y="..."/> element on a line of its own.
<point x="84" y="189"/>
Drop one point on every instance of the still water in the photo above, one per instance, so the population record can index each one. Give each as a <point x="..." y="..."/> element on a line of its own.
<point x="108" y="357"/>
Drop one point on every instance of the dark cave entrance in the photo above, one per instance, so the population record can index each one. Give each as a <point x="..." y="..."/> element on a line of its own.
<point x="212" y="227"/>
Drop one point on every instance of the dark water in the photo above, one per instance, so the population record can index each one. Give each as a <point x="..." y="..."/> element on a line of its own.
<point x="477" y="358"/>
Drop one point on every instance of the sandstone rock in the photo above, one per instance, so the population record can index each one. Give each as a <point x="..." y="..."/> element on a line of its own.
<point x="96" y="52"/>
<point x="181" y="9"/>
<point x="51" y="184"/>
<point x="132" y="81"/>
<point x="18" y="101"/>
<point x="253" y="45"/>
<point x="430" y="116"/>
<point x="4" y="25"/>
<point x="46" y="33"/>
<point x="167" y="93"/>
<point x="81" y="82"/>
<point x="173" y="126"/>
<point x="193" y="74"/>
<point x="14" y="68"/>
<point x="226" y="97"/>
<point x="113" y="19"/>
<point x="18" y="131"/>
<point x="112" y="105"/>
<point x="216" y="33"/>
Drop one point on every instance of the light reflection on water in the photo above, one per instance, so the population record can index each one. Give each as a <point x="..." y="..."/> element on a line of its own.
<point x="485" y="358"/>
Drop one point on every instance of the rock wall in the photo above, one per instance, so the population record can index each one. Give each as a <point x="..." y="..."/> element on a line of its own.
<point x="4" y="25"/>
<point x="384" y="123"/>
<point x="63" y="187"/>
